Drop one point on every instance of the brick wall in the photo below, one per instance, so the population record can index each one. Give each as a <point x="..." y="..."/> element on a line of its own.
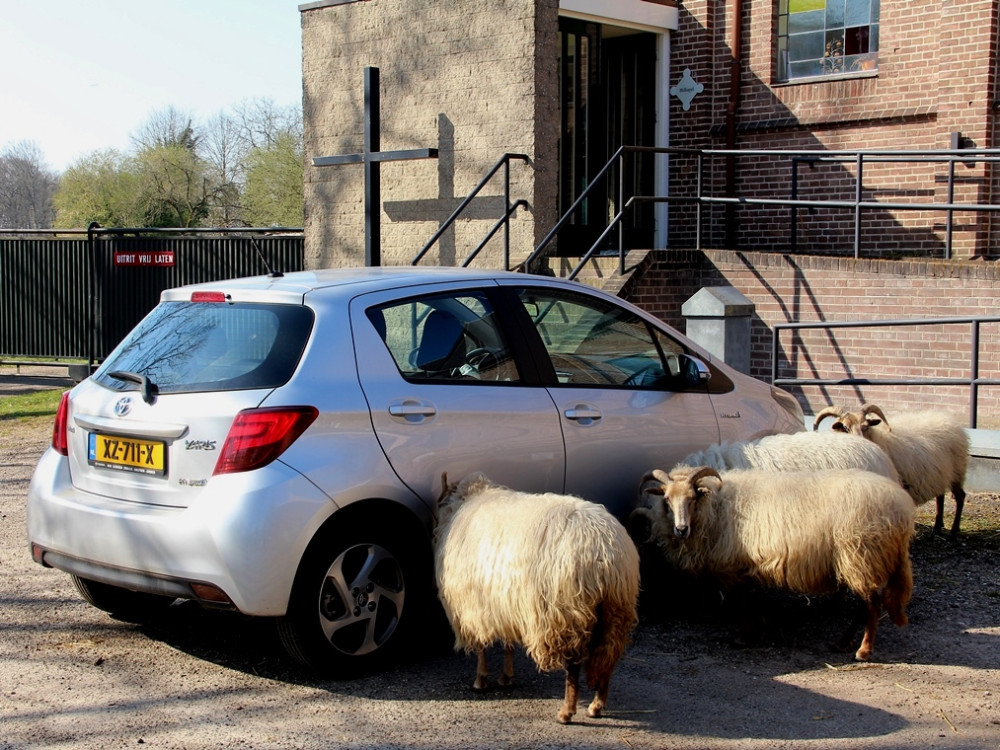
<point x="801" y="288"/>
<point x="936" y="75"/>
<point x="467" y="78"/>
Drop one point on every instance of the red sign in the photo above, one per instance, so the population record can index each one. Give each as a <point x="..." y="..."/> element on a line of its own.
<point x="159" y="258"/>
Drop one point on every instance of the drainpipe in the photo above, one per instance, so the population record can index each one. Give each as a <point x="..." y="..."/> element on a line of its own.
<point x="735" y="32"/>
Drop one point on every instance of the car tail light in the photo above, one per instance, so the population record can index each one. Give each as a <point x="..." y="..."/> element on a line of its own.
<point x="60" y="442"/>
<point x="258" y="436"/>
<point x="208" y="296"/>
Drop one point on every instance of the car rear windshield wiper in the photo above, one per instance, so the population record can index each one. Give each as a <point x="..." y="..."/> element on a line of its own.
<point x="147" y="387"/>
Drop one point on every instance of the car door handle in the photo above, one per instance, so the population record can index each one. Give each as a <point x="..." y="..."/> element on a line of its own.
<point x="581" y="412"/>
<point x="412" y="409"/>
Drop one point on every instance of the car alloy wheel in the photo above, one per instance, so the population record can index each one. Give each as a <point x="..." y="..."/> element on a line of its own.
<point x="352" y="604"/>
<point x="361" y="599"/>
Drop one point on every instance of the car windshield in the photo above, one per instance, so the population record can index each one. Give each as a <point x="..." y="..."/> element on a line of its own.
<point x="185" y="347"/>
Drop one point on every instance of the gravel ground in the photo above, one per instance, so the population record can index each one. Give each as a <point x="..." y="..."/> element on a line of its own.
<point x="70" y="676"/>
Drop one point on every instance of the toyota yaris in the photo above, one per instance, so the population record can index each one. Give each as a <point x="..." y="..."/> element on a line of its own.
<point x="275" y="445"/>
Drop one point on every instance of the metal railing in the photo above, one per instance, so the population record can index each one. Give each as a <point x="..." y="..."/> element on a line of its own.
<point x="626" y="204"/>
<point x="973" y="381"/>
<point x="702" y="198"/>
<point x="503" y="222"/>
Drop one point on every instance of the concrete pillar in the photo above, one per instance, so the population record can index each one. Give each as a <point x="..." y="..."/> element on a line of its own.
<point x="718" y="318"/>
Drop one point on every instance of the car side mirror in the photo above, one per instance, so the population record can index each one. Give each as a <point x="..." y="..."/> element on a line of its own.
<point x="694" y="372"/>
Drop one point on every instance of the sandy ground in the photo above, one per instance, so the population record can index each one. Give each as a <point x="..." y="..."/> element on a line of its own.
<point x="70" y="676"/>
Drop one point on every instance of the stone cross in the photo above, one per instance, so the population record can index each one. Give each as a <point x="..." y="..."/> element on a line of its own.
<point x="372" y="156"/>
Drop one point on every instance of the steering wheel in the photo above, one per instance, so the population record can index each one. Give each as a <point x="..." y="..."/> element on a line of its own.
<point x="481" y="359"/>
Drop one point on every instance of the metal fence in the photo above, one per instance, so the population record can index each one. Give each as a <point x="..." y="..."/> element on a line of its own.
<point x="973" y="365"/>
<point x="75" y="295"/>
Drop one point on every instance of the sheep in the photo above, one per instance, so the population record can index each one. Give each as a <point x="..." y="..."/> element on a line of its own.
<point x="554" y="573"/>
<point x="929" y="449"/>
<point x="798" y="451"/>
<point x="808" y="532"/>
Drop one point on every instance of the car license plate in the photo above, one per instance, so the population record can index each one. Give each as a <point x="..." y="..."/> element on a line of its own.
<point x="127" y="454"/>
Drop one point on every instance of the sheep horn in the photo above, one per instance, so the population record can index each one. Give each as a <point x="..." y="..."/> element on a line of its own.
<point x="704" y="471"/>
<point x="830" y="411"/>
<point x="445" y="489"/>
<point x="652" y="484"/>
<point x="873" y="409"/>
<point x="660" y="475"/>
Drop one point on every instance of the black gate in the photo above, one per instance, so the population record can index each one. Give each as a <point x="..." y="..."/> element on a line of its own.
<point x="77" y="298"/>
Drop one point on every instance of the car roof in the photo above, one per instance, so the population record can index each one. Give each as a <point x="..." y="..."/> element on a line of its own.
<point x="362" y="279"/>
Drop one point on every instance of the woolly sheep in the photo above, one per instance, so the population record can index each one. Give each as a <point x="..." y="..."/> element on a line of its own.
<point x="929" y="449"/>
<point x="808" y="532"/>
<point x="554" y="573"/>
<point x="798" y="451"/>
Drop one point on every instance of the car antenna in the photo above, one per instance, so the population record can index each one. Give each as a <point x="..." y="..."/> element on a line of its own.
<point x="271" y="273"/>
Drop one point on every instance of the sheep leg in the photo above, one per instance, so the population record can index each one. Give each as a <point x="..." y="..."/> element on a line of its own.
<point x="572" y="692"/>
<point x="864" y="651"/>
<point x="597" y="705"/>
<point x="507" y="675"/>
<point x="858" y="616"/>
<point x="939" y="516"/>
<point x="482" y="671"/>
<point x="959" y="493"/>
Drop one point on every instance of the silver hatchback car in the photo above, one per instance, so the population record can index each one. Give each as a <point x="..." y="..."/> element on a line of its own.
<point x="276" y="445"/>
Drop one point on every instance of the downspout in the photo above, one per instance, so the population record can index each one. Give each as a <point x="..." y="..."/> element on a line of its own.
<point x="735" y="33"/>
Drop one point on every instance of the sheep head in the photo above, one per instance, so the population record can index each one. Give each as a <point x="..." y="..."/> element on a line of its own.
<point x="679" y="491"/>
<point x="853" y="422"/>
<point x="873" y="417"/>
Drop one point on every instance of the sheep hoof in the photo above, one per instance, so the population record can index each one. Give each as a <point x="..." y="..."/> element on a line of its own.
<point x="862" y="654"/>
<point x="480" y="683"/>
<point x="565" y="716"/>
<point x="594" y="710"/>
<point x="505" y="680"/>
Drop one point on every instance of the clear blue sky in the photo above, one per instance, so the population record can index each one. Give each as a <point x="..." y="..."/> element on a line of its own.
<point x="81" y="75"/>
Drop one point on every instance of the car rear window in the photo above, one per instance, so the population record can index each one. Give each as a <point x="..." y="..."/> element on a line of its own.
<point x="185" y="347"/>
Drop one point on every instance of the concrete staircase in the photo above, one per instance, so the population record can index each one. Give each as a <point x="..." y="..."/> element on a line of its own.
<point x="600" y="272"/>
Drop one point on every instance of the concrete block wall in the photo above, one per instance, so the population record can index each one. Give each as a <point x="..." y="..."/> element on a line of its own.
<point x="801" y="288"/>
<point x="467" y="78"/>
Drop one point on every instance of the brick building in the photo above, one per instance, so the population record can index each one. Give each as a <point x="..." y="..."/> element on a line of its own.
<point x="566" y="82"/>
<point x="842" y="75"/>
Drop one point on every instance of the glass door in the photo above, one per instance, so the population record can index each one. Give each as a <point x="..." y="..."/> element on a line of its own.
<point x="607" y="99"/>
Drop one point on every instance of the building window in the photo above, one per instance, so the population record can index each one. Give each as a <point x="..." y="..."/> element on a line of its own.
<point x="826" y="37"/>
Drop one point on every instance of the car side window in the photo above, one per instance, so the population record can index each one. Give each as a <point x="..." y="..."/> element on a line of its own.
<point x="590" y="342"/>
<point x="448" y="338"/>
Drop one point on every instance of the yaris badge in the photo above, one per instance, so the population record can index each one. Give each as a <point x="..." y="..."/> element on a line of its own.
<point x="123" y="406"/>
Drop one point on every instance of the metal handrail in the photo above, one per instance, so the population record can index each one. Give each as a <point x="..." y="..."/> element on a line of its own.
<point x="616" y="221"/>
<point x="974" y="382"/>
<point x="504" y="221"/>
<point x="856" y="204"/>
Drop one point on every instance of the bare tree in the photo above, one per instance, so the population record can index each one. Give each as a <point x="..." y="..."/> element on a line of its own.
<point x="262" y="122"/>
<point x="167" y="127"/>
<point x="26" y="187"/>
<point x="225" y="151"/>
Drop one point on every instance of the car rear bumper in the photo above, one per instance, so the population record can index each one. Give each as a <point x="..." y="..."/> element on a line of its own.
<point x="244" y="536"/>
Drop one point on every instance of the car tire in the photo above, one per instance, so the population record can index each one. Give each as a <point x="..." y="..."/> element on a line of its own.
<point x="355" y="603"/>
<point x="123" y="604"/>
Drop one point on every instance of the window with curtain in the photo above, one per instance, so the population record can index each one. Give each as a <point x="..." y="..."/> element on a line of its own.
<point x="819" y="38"/>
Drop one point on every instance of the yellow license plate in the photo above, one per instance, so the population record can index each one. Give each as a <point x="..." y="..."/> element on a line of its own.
<point x="127" y="454"/>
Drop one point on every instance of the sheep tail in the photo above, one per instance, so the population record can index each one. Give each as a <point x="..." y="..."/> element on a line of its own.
<point x="899" y="589"/>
